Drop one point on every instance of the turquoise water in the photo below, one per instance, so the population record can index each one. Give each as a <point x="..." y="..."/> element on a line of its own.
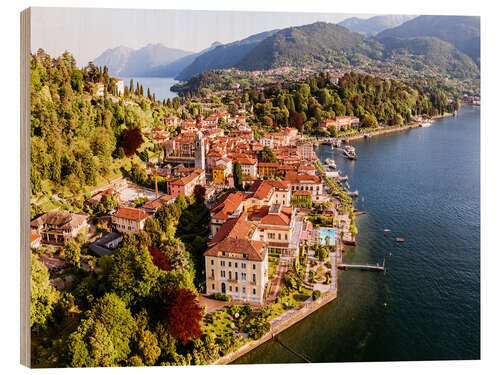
<point x="424" y="185"/>
<point x="330" y="232"/>
<point x="157" y="85"/>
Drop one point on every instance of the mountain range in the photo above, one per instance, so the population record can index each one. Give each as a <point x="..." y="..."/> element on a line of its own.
<point x="463" y="32"/>
<point x="126" y="62"/>
<point x="372" y="26"/>
<point x="438" y="44"/>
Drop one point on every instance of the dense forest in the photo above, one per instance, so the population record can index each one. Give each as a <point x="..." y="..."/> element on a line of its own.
<point x="136" y="307"/>
<point x="77" y="138"/>
<point x="374" y="100"/>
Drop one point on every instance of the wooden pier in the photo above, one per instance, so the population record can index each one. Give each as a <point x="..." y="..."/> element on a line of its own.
<point x="364" y="267"/>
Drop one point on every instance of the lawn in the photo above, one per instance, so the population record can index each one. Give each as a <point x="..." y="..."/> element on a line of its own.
<point x="288" y="302"/>
<point x="273" y="261"/>
<point x="222" y="322"/>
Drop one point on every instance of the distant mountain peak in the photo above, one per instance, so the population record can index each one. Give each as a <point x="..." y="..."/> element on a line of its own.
<point x="124" y="61"/>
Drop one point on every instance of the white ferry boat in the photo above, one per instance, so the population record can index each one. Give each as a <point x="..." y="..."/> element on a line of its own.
<point x="330" y="163"/>
<point x="425" y="124"/>
<point x="350" y="152"/>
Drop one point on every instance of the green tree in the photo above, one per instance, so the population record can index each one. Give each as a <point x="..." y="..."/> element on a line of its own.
<point x="181" y="202"/>
<point x="43" y="297"/>
<point x="103" y="338"/>
<point x="267" y="155"/>
<point x="72" y="253"/>
<point x="133" y="275"/>
<point x="238" y="176"/>
<point x="369" y="121"/>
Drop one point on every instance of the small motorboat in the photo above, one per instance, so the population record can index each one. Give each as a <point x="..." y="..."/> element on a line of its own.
<point x="400" y="239"/>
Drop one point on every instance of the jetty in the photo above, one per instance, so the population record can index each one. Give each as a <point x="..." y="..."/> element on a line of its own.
<point x="363" y="267"/>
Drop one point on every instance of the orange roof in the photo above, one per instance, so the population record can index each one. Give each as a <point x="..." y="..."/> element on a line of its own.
<point x="294" y="177"/>
<point x="135" y="214"/>
<point x="261" y="189"/>
<point x="254" y="250"/>
<point x="228" y="205"/>
<point x="282" y="218"/>
<point x="154" y="204"/>
<point x="34" y="237"/>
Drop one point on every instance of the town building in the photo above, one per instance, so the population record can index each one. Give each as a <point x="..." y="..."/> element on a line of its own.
<point x="199" y="152"/>
<point x="100" y="89"/>
<point x="307" y="182"/>
<point x="185" y="185"/>
<point x="57" y="228"/>
<point x="120" y="87"/>
<point x="236" y="264"/>
<point x="130" y="220"/>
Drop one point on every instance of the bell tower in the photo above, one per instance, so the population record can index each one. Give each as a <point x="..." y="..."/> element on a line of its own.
<point x="199" y="151"/>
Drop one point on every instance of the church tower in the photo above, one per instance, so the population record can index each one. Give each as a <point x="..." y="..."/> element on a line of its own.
<point x="199" y="151"/>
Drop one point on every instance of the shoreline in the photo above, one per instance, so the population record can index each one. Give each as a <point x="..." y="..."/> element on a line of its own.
<point x="295" y="316"/>
<point x="412" y="125"/>
<point x="291" y="317"/>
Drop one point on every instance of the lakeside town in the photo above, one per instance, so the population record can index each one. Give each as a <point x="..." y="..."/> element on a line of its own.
<point x="215" y="210"/>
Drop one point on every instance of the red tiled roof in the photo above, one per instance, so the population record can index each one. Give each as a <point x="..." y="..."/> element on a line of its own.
<point x="254" y="250"/>
<point x="283" y="218"/>
<point x="228" y="205"/>
<point x="135" y="214"/>
<point x="154" y="204"/>
<point x="34" y="237"/>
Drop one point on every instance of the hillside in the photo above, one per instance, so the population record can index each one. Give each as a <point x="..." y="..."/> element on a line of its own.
<point x="222" y="57"/>
<point x="126" y="62"/>
<point x="311" y="45"/>
<point x="460" y="31"/>
<point x="373" y="25"/>
<point x="429" y="53"/>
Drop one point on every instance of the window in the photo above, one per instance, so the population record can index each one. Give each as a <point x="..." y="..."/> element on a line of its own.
<point x="286" y="236"/>
<point x="222" y="263"/>
<point x="253" y="266"/>
<point x="236" y="289"/>
<point x="229" y="264"/>
<point x="243" y="276"/>
<point x="243" y="265"/>
<point x="236" y="276"/>
<point x="279" y="236"/>
<point x="254" y="291"/>
<point x="211" y="262"/>
<point x="223" y="273"/>
<point x="229" y="275"/>
<point x="235" y="265"/>
<point x="230" y="288"/>
<point x="253" y="277"/>
<point x="213" y="286"/>
<point x="270" y="236"/>
<point x="244" y="290"/>
<point x="212" y="273"/>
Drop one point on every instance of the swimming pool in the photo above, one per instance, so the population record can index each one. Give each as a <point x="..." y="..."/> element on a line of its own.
<point x="327" y="232"/>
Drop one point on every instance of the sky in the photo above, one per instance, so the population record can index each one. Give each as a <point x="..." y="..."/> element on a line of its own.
<point x="87" y="32"/>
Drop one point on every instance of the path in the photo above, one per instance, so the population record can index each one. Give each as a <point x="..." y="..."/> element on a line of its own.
<point x="276" y="282"/>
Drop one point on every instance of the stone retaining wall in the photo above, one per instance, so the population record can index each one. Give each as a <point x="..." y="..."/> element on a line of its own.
<point x="280" y="326"/>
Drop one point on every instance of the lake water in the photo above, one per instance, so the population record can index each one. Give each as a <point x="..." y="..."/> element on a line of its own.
<point x="423" y="185"/>
<point x="157" y="85"/>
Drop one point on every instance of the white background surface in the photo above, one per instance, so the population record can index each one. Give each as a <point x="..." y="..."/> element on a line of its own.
<point x="490" y="145"/>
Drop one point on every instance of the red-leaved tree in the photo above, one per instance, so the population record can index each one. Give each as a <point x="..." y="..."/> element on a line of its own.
<point x="183" y="315"/>
<point x="295" y="120"/>
<point x="159" y="259"/>
<point x="131" y="139"/>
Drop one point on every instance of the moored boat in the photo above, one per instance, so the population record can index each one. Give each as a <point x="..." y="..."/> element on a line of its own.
<point x="350" y="152"/>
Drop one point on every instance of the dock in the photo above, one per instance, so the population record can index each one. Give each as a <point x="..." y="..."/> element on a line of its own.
<point x="363" y="267"/>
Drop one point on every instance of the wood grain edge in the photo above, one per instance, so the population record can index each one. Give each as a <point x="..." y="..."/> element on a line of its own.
<point x="25" y="45"/>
